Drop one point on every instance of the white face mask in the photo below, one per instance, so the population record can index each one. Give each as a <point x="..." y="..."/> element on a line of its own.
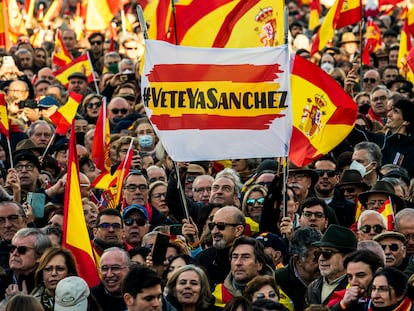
<point x="360" y="168"/>
<point x="327" y="67"/>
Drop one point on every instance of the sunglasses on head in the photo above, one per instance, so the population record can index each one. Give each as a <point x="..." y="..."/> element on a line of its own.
<point x="367" y="228"/>
<point x="130" y="221"/>
<point x="393" y="247"/>
<point x="330" y="173"/>
<point x="252" y="202"/>
<point x="20" y="249"/>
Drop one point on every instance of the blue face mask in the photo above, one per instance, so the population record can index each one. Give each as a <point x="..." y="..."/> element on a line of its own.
<point x="145" y="141"/>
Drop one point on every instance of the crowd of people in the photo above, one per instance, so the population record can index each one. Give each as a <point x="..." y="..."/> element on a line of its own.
<point x="337" y="234"/>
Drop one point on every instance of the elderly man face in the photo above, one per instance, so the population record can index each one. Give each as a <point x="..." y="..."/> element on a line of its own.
<point x="114" y="269"/>
<point x="25" y="59"/>
<point x="78" y="85"/>
<point x="117" y="109"/>
<point x="41" y="135"/>
<point x="11" y="220"/>
<point x="379" y="100"/>
<point x="394" y="250"/>
<point x="371" y="225"/>
<point x="136" y="190"/>
<point x="17" y="91"/>
<point x="28" y="174"/>
<point x="371" y="78"/>
<point x="46" y="74"/>
<point x="23" y="263"/>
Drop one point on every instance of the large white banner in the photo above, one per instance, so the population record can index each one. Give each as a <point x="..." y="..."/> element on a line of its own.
<point x="212" y="104"/>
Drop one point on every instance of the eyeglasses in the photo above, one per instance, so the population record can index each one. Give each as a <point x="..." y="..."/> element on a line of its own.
<point x="159" y="195"/>
<point x="327" y="253"/>
<point x="96" y="42"/>
<point x="20" y="249"/>
<point x="58" y="269"/>
<point x="376" y="203"/>
<point x="113" y="268"/>
<point x="10" y="218"/>
<point x="130" y="221"/>
<point x="117" y="111"/>
<point x="92" y="105"/>
<point x="377" y="228"/>
<point x="316" y="214"/>
<point x="107" y="225"/>
<point x="29" y="167"/>
<point x="221" y="225"/>
<point x="271" y="294"/>
<point x="393" y="247"/>
<point x="252" y="202"/>
<point x="380" y="289"/>
<point x="132" y="187"/>
<point x="370" y="80"/>
<point x="330" y="173"/>
<point x="203" y="189"/>
<point x="383" y="97"/>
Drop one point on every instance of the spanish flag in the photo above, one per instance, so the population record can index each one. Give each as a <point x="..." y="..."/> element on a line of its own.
<point x="99" y="14"/>
<point x="315" y="13"/>
<point x="321" y="108"/>
<point x="79" y="64"/>
<point x="4" y="119"/>
<point x="372" y="40"/>
<point x="351" y="13"/>
<point x="60" y="55"/>
<point x="327" y="29"/>
<point x="75" y="235"/>
<point x="100" y="144"/>
<point x="387" y="211"/>
<point x="403" y="54"/>
<point x="4" y="33"/>
<point x="52" y="12"/>
<point x="220" y="23"/>
<point x="63" y="117"/>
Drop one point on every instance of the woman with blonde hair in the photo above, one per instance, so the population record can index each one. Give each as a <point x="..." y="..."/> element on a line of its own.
<point x="252" y="206"/>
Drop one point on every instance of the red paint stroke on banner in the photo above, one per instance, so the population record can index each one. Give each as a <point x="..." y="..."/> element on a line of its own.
<point x="165" y="122"/>
<point x="211" y="72"/>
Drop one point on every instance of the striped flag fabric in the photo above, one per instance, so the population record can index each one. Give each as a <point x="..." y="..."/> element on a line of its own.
<point x="236" y="105"/>
<point x="372" y="41"/>
<point x="315" y="13"/>
<point x="79" y="64"/>
<point x="99" y="14"/>
<point x="220" y="23"/>
<point x="324" y="108"/>
<point x="101" y="142"/>
<point x="60" y="56"/>
<point x="327" y="29"/>
<point x="75" y="235"/>
<point x="351" y="13"/>
<point x="387" y="211"/>
<point x="4" y="119"/>
<point x="63" y="117"/>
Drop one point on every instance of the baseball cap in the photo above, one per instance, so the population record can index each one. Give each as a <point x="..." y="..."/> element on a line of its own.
<point x="71" y="294"/>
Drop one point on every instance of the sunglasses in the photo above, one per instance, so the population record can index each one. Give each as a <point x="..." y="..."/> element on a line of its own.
<point x="220" y="225"/>
<point x="117" y="111"/>
<point x="349" y="190"/>
<point x="92" y="105"/>
<point x="20" y="249"/>
<point x="330" y="173"/>
<point x="130" y="221"/>
<point x="393" y="247"/>
<point x="252" y="202"/>
<point x="327" y="253"/>
<point x="96" y="42"/>
<point x="107" y="225"/>
<point x="367" y="228"/>
<point x="370" y="80"/>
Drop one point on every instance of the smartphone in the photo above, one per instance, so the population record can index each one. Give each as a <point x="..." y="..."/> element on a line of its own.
<point x="160" y="248"/>
<point x="37" y="201"/>
<point x="125" y="77"/>
<point x="176" y="229"/>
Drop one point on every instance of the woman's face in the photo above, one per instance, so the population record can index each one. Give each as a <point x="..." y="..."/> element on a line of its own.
<point x="174" y="265"/>
<point x="40" y="58"/>
<point x="54" y="271"/>
<point x="92" y="107"/>
<point x="188" y="288"/>
<point x="2" y="154"/>
<point x="90" y="213"/>
<point x="255" y="204"/>
<point x="158" y="199"/>
<point x="266" y="292"/>
<point x="382" y="294"/>
<point x="239" y="165"/>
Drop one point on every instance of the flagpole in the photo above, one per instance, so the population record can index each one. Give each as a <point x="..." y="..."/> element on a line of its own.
<point x="142" y="23"/>
<point x="10" y="152"/>
<point x="93" y="75"/>
<point x="52" y="139"/>
<point x="361" y="24"/>
<point x="174" y="22"/>
<point x="123" y="22"/>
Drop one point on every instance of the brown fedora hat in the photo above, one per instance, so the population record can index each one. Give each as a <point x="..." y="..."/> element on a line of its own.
<point x="353" y="177"/>
<point x="348" y="37"/>
<point x="384" y="188"/>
